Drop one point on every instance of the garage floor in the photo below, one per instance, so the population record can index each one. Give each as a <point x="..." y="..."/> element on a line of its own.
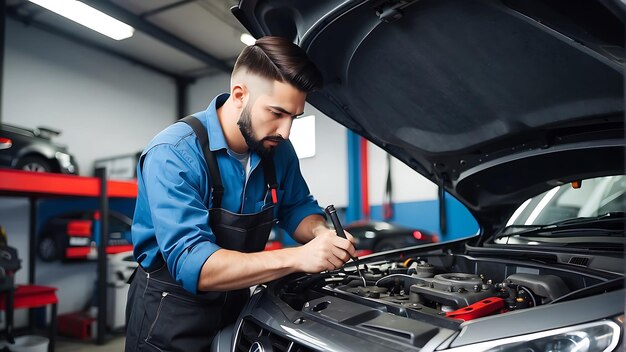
<point x="116" y="344"/>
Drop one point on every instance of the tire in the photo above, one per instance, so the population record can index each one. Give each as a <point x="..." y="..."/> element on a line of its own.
<point x="49" y="249"/>
<point x="35" y="163"/>
<point x="385" y="245"/>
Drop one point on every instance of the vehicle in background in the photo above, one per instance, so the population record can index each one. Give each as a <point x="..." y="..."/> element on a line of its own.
<point x="34" y="150"/>
<point x="378" y="236"/>
<point x="77" y="236"/>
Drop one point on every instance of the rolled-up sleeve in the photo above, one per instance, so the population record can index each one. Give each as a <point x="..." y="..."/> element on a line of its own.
<point x="174" y="186"/>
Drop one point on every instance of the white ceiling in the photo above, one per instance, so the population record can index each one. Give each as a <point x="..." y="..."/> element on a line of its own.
<point x="177" y="37"/>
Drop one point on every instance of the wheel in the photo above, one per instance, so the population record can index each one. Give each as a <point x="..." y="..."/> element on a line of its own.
<point x="34" y="163"/>
<point x="49" y="249"/>
<point x="385" y="245"/>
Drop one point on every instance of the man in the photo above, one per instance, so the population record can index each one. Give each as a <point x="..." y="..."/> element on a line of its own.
<point x="203" y="215"/>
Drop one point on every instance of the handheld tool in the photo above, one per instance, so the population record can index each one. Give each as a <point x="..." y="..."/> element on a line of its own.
<point x="332" y="213"/>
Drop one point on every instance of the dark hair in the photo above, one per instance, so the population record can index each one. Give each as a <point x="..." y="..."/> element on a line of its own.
<point x="279" y="59"/>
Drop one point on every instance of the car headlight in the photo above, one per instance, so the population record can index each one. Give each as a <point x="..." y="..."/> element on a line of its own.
<point x="63" y="158"/>
<point x="599" y="336"/>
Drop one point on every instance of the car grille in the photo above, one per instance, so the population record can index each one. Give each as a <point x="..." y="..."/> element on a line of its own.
<point x="251" y="332"/>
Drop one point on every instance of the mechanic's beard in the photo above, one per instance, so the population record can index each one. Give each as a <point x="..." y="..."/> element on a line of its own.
<point x="245" y="126"/>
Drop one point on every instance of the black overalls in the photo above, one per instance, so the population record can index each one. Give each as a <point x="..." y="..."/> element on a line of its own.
<point x="162" y="316"/>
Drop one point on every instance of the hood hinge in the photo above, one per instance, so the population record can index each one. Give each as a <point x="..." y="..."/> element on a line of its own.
<point x="389" y="11"/>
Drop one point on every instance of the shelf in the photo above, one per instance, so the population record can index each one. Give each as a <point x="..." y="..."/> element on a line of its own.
<point x="35" y="185"/>
<point x="39" y="184"/>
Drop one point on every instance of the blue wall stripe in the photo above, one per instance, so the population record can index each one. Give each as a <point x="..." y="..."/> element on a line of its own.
<point x="353" y="211"/>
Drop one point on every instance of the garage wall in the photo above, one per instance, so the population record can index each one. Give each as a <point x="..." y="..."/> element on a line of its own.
<point x="408" y="185"/>
<point x="415" y="199"/>
<point x="327" y="172"/>
<point x="104" y="106"/>
<point x="202" y="91"/>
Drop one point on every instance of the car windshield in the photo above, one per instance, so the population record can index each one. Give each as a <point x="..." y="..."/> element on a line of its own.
<point x="591" y="207"/>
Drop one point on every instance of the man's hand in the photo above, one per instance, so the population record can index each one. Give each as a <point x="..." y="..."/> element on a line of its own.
<point x="228" y="270"/>
<point x="326" y="251"/>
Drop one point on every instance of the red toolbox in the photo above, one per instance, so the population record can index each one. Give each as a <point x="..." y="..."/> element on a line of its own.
<point x="77" y="325"/>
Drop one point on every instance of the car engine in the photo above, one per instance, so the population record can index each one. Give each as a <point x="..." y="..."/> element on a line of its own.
<point x="434" y="299"/>
<point x="415" y="285"/>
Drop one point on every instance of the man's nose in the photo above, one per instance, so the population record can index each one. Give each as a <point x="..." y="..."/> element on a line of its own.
<point x="285" y="128"/>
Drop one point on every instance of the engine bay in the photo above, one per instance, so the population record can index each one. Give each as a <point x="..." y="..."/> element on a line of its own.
<point x="444" y="287"/>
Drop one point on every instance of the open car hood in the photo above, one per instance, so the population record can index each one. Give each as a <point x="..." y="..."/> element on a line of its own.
<point x="496" y="100"/>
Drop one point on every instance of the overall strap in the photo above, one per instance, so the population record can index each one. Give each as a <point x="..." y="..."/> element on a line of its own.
<point x="217" y="189"/>
<point x="270" y="175"/>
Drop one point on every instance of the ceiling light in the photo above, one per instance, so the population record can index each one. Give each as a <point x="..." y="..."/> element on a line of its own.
<point x="247" y="39"/>
<point x="88" y="17"/>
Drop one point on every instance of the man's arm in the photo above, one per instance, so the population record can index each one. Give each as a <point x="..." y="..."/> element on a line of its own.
<point x="309" y="227"/>
<point x="228" y="270"/>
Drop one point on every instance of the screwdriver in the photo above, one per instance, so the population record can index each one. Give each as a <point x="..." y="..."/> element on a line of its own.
<point x="332" y="213"/>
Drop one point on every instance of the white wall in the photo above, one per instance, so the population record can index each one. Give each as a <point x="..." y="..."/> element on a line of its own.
<point x="104" y="106"/>
<point x="205" y="89"/>
<point x="407" y="184"/>
<point x="327" y="172"/>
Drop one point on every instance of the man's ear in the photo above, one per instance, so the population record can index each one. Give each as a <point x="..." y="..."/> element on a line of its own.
<point x="239" y="95"/>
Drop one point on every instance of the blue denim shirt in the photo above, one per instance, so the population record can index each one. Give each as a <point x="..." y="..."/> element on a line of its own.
<point x="171" y="215"/>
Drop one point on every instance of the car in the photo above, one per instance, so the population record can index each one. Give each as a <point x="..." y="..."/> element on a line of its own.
<point x="513" y="107"/>
<point x="76" y="235"/>
<point x="379" y="236"/>
<point x="34" y="150"/>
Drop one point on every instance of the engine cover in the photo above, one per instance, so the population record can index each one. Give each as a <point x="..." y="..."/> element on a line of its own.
<point x="455" y="290"/>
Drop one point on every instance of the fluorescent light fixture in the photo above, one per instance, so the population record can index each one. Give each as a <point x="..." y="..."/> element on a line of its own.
<point x="247" y="39"/>
<point x="88" y="17"/>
